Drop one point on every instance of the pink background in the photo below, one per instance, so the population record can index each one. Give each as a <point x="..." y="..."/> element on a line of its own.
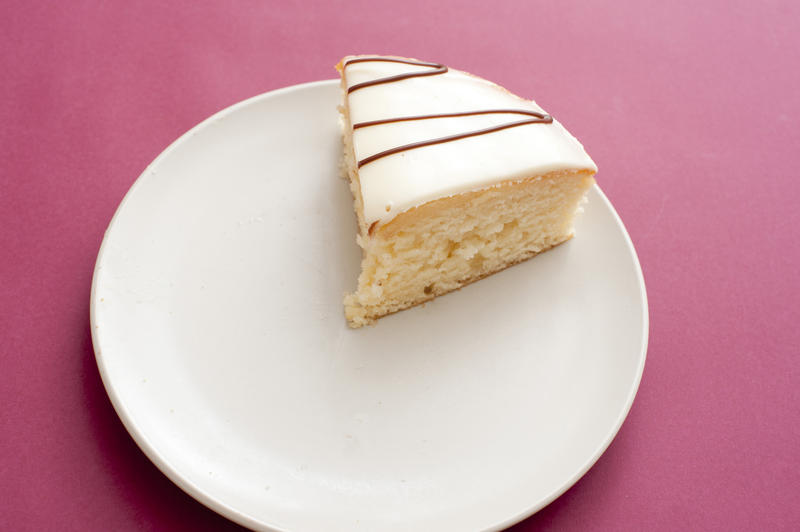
<point x="690" y="110"/>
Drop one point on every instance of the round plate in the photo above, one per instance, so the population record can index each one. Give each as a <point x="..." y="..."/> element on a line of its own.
<point x="219" y="332"/>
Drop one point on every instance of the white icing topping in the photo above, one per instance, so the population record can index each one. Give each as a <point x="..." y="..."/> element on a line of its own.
<point x="413" y="177"/>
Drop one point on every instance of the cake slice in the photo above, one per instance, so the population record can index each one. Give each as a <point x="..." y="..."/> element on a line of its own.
<point x="454" y="178"/>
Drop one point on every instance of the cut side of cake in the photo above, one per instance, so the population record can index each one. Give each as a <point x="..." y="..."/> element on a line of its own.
<point x="453" y="178"/>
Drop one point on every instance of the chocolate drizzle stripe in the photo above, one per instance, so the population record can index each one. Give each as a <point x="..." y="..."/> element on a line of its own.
<point x="437" y="69"/>
<point x="546" y="119"/>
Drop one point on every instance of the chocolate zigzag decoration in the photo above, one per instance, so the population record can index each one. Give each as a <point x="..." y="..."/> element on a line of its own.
<point x="538" y="118"/>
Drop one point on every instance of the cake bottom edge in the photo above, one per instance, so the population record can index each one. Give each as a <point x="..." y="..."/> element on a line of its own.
<point x="359" y="316"/>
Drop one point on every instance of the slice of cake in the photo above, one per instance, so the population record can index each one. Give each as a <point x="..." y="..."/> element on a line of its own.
<point x="454" y="178"/>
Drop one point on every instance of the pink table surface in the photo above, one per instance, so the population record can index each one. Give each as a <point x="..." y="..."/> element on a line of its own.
<point x="690" y="110"/>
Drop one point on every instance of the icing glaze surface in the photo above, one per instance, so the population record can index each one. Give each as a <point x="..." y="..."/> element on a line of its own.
<point x="410" y="178"/>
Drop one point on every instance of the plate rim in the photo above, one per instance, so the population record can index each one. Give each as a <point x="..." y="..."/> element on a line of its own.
<point x="623" y="415"/>
<point x="228" y="511"/>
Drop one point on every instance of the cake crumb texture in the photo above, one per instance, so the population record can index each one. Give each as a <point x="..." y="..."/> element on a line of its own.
<point x="445" y="244"/>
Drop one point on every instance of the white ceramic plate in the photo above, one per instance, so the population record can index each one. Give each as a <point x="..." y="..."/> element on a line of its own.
<point x="220" y="337"/>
